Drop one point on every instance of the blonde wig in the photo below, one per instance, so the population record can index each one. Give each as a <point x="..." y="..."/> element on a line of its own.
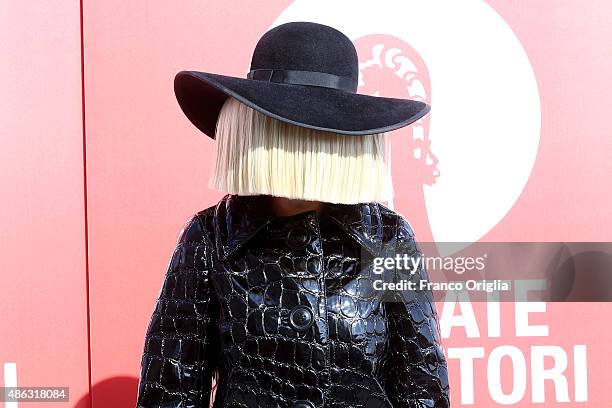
<point x="257" y="154"/>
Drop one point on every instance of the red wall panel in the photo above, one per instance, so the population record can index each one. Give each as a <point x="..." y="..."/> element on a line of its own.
<point x="43" y="307"/>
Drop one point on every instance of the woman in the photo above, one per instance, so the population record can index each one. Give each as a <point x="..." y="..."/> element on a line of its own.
<point x="270" y="291"/>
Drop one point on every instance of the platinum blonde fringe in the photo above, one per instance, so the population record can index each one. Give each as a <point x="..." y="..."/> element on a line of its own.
<point x="257" y="154"/>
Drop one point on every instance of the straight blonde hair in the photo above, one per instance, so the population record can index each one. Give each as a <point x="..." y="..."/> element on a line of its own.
<point x="258" y="154"/>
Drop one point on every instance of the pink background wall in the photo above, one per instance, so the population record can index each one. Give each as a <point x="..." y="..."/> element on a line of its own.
<point x="43" y="308"/>
<point x="147" y="168"/>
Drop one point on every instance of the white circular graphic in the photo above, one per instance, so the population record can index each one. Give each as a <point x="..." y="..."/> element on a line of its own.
<point x="485" y="117"/>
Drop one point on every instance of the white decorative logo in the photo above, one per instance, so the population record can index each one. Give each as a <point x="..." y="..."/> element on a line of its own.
<point x="478" y="145"/>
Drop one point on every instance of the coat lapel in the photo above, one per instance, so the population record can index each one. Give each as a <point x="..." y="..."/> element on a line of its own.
<point x="363" y="222"/>
<point x="238" y="218"/>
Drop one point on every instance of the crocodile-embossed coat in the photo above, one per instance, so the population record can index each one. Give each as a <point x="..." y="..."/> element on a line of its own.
<point x="282" y="312"/>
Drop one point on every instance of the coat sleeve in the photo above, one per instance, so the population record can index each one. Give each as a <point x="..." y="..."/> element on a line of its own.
<point x="177" y="363"/>
<point x="416" y="366"/>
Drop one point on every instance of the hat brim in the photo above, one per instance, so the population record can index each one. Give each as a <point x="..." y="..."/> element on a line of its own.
<point x="201" y="96"/>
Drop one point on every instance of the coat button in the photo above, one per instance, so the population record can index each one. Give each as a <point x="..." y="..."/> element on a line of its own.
<point x="298" y="238"/>
<point x="301" y="318"/>
<point x="302" y="404"/>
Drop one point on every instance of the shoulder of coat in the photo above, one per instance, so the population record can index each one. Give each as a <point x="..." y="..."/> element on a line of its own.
<point x="204" y="218"/>
<point x="396" y="222"/>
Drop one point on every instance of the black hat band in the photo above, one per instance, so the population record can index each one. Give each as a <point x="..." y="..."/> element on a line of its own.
<point x="310" y="78"/>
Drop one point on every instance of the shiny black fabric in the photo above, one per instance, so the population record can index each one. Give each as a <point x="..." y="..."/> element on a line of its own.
<point x="282" y="310"/>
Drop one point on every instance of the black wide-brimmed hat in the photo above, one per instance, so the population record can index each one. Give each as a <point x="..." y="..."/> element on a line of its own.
<point x="301" y="73"/>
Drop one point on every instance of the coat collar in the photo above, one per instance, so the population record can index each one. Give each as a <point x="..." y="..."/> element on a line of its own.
<point x="238" y="218"/>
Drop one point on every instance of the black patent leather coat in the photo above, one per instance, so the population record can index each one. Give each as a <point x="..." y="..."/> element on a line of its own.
<point x="282" y="311"/>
